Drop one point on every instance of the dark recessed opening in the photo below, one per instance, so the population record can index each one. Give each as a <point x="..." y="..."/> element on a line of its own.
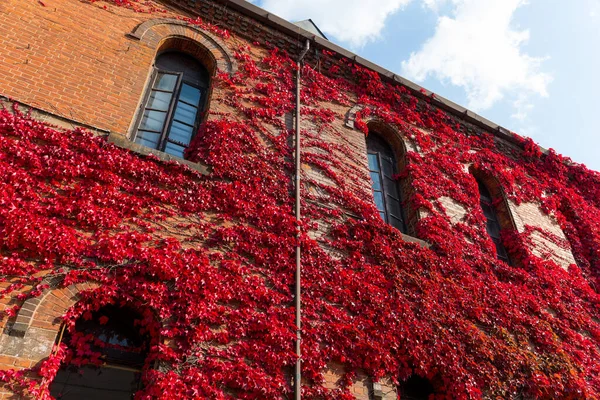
<point x="112" y="332"/>
<point x="416" y="388"/>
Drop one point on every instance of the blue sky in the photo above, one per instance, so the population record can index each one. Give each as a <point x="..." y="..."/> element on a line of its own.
<point x="530" y="66"/>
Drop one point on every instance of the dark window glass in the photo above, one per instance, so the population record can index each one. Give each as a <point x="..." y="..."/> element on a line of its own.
<point x="382" y="167"/>
<point x="94" y="383"/>
<point x="416" y="388"/>
<point x="112" y="332"/>
<point x="492" y="223"/>
<point x="170" y="115"/>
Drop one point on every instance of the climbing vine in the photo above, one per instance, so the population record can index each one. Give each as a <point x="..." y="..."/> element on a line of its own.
<point x="208" y="260"/>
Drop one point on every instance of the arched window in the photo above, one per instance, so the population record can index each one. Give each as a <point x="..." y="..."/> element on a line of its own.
<point x="173" y="104"/>
<point x="111" y="335"/>
<point x="383" y="167"/>
<point x="492" y="223"/>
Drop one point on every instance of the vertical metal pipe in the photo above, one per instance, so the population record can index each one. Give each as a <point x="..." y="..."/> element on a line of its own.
<point x="298" y="293"/>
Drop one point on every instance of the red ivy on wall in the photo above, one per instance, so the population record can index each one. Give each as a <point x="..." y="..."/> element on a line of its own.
<point x="209" y="260"/>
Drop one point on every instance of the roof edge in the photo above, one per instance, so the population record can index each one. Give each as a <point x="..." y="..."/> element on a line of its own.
<point x="289" y="28"/>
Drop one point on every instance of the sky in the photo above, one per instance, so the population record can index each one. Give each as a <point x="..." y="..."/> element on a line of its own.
<point x="531" y="66"/>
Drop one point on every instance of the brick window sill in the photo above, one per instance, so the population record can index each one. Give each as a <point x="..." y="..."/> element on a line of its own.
<point x="412" y="239"/>
<point x="123" y="142"/>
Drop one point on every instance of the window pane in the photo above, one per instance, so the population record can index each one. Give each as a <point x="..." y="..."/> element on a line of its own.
<point x="397" y="223"/>
<point x="159" y="100"/>
<point x="185" y="113"/>
<point x="373" y="162"/>
<point x="165" y="81"/>
<point x="190" y="94"/>
<point x="127" y="347"/>
<point x="180" y="132"/>
<point x="190" y="67"/>
<point x="94" y="384"/>
<point x="174" y="149"/>
<point x="376" y="144"/>
<point x="382" y="215"/>
<point x="379" y="201"/>
<point x="484" y="192"/>
<point x="149" y="139"/>
<point x="388" y="167"/>
<point x="493" y="229"/>
<point x="393" y="207"/>
<point x="376" y="181"/>
<point x="153" y="120"/>
<point x="488" y="211"/>
<point x="500" y="250"/>
<point x="391" y="187"/>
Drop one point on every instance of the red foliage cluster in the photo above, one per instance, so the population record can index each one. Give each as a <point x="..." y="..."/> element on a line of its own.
<point x="209" y="260"/>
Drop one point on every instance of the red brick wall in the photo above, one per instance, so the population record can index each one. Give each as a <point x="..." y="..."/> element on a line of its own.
<point x="75" y="60"/>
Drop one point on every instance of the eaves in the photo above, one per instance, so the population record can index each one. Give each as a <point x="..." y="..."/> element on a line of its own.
<point x="281" y="25"/>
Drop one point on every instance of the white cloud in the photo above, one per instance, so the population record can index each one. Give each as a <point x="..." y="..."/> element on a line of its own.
<point x="522" y="106"/>
<point x="355" y="22"/>
<point x="594" y="7"/>
<point x="478" y="49"/>
<point x="434" y="4"/>
<point x="475" y="47"/>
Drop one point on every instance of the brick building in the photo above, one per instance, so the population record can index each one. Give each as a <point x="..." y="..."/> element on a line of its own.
<point x="149" y="239"/>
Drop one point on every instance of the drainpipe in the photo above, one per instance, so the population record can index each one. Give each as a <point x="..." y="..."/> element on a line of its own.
<point x="297" y="299"/>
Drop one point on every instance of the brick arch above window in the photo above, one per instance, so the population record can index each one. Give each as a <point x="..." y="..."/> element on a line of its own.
<point x="216" y="56"/>
<point x="30" y="337"/>
<point x="389" y="132"/>
<point x="44" y="311"/>
<point x="392" y="136"/>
